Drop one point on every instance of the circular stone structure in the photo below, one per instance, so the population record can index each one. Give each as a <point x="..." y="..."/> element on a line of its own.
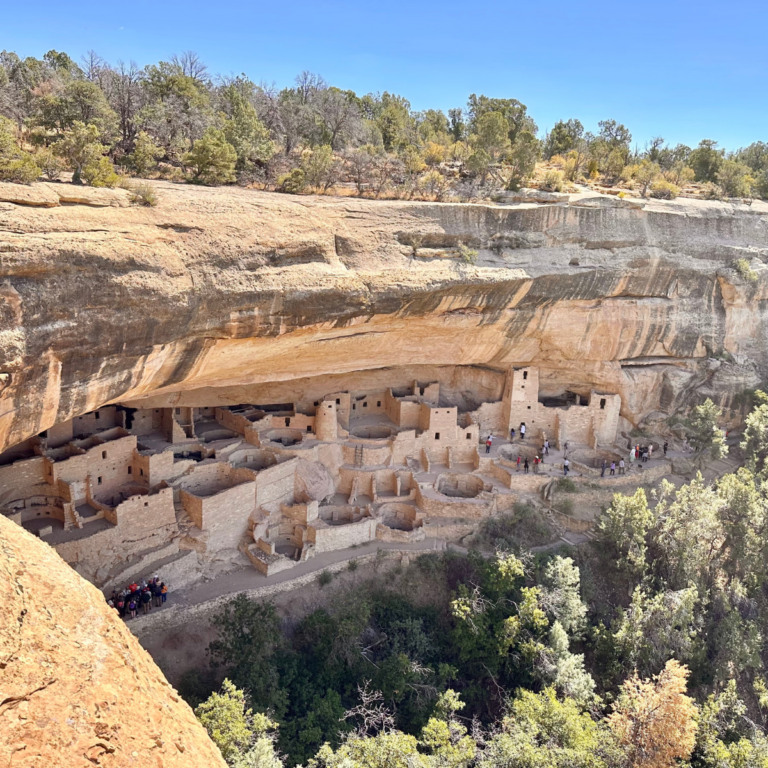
<point x="286" y="437"/>
<point x="374" y="432"/>
<point x="459" y="486"/>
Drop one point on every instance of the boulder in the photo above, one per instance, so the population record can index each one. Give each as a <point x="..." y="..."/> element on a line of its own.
<point x="313" y="482"/>
<point x="98" y="197"/>
<point x="76" y="687"/>
<point x="37" y="195"/>
<point x="682" y="465"/>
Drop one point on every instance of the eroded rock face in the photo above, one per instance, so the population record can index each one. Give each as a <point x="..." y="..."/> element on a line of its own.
<point x="225" y="295"/>
<point x="76" y="688"/>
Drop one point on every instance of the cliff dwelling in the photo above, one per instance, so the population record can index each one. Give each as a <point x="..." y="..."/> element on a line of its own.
<point x="123" y="487"/>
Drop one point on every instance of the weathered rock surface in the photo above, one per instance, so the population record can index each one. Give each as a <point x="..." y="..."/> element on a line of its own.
<point x="227" y="295"/>
<point x="76" y="688"/>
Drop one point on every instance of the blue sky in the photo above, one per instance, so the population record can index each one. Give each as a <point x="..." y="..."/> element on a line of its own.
<point x="681" y="69"/>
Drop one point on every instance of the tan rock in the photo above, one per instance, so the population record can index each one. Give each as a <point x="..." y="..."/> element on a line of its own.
<point x="313" y="481"/>
<point x="76" y="688"/>
<point x="99" y="197"/>
<point x="228" y="296"/>
<point x="38" y="195"/>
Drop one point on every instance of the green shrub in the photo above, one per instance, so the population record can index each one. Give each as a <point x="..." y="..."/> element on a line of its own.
<point x="564" y="506"/>
<point x="743" y="267"/>
<point x="50" y="165"/>
<point x="565" y="485"/>
<point x="352" y="565"/>
<point x="467" y="255"/>
<point x="212" y="159"/>
<point x="712" y="191"/>
<point x="325" y="577"/>
<point x="20" y="170"/>
<point x="144" y="194"/>
<point x="100" y="173"/>
<point x="553" y="181"/>
<point x="292" y="183"/>
<point x="664" y="190"/>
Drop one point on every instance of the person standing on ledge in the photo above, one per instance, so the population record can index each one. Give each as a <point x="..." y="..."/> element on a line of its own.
<point x="566" y="467"/>
<point x="522" y="431"/>
<point x="488" y="443"/>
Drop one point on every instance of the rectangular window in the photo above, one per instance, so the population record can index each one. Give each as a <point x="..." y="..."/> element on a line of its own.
<point x="309" y="428"/>
<point x="338" y="401"/>
<point x="437" y="435"/>
<point x="141" y="471"/>
<point x="97" y="415"/>
<point x="602" y="402"/>
<point x="365" y="404"/>
<point x="353" y="407"/>
<point x="103" y="454"/>
<point x="146" y="503"/>
<point x="130" y="470"/>
<point x="378" y="403"/>
<point x="525" y="375"/>
<point x="469" y="437"/>
<point x="99" y="481"/>
<point x="316" y="403"/>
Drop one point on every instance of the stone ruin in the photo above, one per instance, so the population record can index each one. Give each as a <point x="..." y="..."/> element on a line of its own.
<point x="122" y="490"/>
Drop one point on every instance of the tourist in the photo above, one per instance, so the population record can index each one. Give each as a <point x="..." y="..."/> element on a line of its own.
<point x="163" y="590"/>
<point x="522" y="431"/>
<point x="518" y="463"/>
<point x="120" y="605"/>
<point x="525" y="466"/>
<point x="602" y="468"/>
<point x="158" y="595"/>
<point x="132" y="606"/>
<point x="666" y="445"/>
<point x="565" y="447"/>
<point x="566" y="467"/>
<point x="613" y="467"/>
<point x="650" y="451"/>
<point x="512" y="435"/>
<point x="631" y="455"/>
<point x="546" y="447"/>
<point x="621" y="467"/>
<point x="146" y="601"/>
<point x="637" y="451"/>
<point x="488" y="443"/>
<point x="536" y="461"/>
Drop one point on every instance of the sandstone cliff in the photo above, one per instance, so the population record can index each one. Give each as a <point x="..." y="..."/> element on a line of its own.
<point x="76" y="688"/>
<point x="218" y="293"/>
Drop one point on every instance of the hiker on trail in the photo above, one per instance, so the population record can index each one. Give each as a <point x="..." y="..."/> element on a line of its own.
<point x="163" y="590"/>
<point x="631" y="455"/>
<point x="621" y="467"/>
<point x="566" y="467"/>
<point x="488" y="443"/>
<point x="637" y="451"/>
<point x="666" y="445"/>
<point x="512" y="435"/>
<point x="146" y="601"/>
<point x="546" y="447"/>
<point x="157" y="594"/>
<point x="518" y="463"/>
<point x="602" y="469"/>
<point x="522" y="431"/>
<point x="613" y="467"/>
<point x="132" y="606"/>
<point x="525" y="466"/>
<point x="650" y="451"/>
<point x="536" y="465"/>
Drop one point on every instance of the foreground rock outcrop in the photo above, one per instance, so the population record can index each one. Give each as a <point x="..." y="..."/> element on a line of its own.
<point x="227" y="296"/>
<point x="76" y="688"/>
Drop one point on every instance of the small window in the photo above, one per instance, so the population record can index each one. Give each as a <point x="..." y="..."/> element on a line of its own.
<point x="354" y="407"/>
<point x="469" y="437"/>
<point x="437" y="435"/>
<point x="141" y="471"/>
<point x="525" y="375"/>
<point x="287" y="422"/>
<point x="146" y="503"/>
<point x="365" y="404"/>
<point x="602" y="403"/>
<point x="157" y="410"/>
<point x="529" y="407"/>
<point x="99" y="481"/>
<point x="309" y="428"/>
<point x="317" y="403"/>
<point x="103" y="454"/>
<point x="378" y="403"/>
<point x="178" y="411"/>
<point x="338" y="401"/>
<point x="130" y="470"/>
<point x="97" y="415"/>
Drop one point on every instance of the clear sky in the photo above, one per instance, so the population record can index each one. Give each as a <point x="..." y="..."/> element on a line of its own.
<point x="682" y="69"/>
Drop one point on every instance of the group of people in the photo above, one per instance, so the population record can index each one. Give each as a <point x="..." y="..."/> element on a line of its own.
<point x="537" y="461"/>
<point x="138" y="597"/>
<point x="621" y="467"/>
